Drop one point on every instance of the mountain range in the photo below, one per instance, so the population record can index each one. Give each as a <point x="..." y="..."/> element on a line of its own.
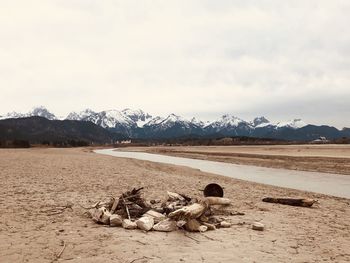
<point x="139" y="124"/>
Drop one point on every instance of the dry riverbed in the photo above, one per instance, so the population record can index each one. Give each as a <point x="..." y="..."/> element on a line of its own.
<point x="42" y="191"/>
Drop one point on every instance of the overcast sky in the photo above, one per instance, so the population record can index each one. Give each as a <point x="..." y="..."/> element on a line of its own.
<point x="282" y="59"/>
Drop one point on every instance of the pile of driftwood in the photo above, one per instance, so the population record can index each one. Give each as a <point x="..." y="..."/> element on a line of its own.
<point x="132" y="211"/>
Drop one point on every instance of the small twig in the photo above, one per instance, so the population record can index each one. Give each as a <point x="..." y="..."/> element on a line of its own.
<point x="186" y="235"/>
<point x="210" y="238"/>
<point x="59" y="254"/>
<point x="139" y="259"/>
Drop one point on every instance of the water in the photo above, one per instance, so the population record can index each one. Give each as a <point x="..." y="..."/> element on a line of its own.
<point x="324" y="183"/>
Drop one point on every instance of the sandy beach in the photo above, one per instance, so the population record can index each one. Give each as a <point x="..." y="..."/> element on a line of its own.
<point x="36" y="183"/>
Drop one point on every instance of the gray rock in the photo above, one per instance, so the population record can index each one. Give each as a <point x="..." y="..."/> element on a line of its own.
<point x="258" y="226"/>
<point x="115" y="220"/>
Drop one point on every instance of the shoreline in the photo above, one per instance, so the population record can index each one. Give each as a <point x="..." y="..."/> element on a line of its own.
<point x="255" y="156"/>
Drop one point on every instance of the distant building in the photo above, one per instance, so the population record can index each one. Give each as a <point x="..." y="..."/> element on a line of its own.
<point x="321" y="139"/>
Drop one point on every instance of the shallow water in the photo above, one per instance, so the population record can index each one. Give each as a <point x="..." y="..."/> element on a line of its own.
<point x="324" y="183"/>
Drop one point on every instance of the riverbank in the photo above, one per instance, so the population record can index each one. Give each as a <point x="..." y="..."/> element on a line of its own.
<point x="314" y="158"/>
<point x="37" y="181"/>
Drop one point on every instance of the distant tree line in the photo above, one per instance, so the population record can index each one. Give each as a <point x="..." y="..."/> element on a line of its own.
<point x="57" y="143"/>
<point x="14" y="144"/>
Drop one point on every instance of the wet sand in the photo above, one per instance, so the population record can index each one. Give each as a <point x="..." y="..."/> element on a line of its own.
<point x="35" y="182"/>
<point x="314" y="158"/>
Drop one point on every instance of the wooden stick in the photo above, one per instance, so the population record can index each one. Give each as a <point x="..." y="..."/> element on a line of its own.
<point x="290" y="201"/>
<point x="127" y="209"/>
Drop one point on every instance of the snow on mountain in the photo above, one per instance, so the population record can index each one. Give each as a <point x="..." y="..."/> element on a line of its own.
<point x="154" y="121"/>
<point x="137" y="123"/>
<point x="294" y="124"/>
<point x="12" y="115"/>
<point x="228" y="121"/>
<point x="40" y="111"/>
<point x="171" y="120"/>
<point x="138" y="116"/>
<point x="259" y="122"/>
<point x="80" y="115"/>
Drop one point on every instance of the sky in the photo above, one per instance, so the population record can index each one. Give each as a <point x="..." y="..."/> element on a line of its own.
<point x="281" y="59"/>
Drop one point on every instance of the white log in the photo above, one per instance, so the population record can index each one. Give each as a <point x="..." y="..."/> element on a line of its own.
<point x="190" y="212"/>
<point x="212" y="200"/>
<point x="175" y="197"/>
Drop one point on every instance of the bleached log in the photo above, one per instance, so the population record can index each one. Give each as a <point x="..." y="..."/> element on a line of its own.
<point x="175" y="196"/>
<point x="213" y="200"/>
<point x="189" y="212"/>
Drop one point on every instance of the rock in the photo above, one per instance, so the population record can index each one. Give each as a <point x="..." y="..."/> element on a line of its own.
<point x="225" y="224"/>
<point x="258" y="226"/>
<point x="166" y="225"/>
<point x="209" y="226"/>
<point x="157" y="217"/>
<point x="100" y="215"/>
<point x="115" y="220"/>
<point x="145" y="223"/>
<point x="128" y="224"/>
<point x="193" y="225"/>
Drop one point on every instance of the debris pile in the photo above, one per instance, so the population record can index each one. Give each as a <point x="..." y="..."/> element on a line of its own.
<point x="132" y="211"/>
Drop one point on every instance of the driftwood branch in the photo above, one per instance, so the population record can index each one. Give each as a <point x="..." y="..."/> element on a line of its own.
<point x="304" y="202"/>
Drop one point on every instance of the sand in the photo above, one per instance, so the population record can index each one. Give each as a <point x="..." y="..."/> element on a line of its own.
<point x="34" y="182"/>
<point x="318" y="158"/>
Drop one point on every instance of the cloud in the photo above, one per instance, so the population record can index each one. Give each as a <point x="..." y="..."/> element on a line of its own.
<point x="201" y="58"/>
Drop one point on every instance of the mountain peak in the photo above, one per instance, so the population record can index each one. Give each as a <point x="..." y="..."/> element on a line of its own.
<point x="260" y="121"/>
<point x="294" y="124"/>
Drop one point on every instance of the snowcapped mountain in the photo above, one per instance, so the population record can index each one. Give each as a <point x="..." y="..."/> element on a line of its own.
<point x="260" y="122"/>
<point x="40" y="111"/>
<point x="294" y="124"/>
<point x="139" y="124"/>
<point x="229" y="124"/>
<point x="12" y="115"/>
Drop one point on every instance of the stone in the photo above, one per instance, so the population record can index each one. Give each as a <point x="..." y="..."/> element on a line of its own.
<point x="115" y="220"/>
<point x="157" y="217"/>
<point x="193" y="225"/>
<point x="100" y="215"/>
<point x="258" y="226"/>
<point x="128" y="224"/>
<point x="166" y="225"/>
<point x="225" y="224"/>
<point x="145" y="223"/>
